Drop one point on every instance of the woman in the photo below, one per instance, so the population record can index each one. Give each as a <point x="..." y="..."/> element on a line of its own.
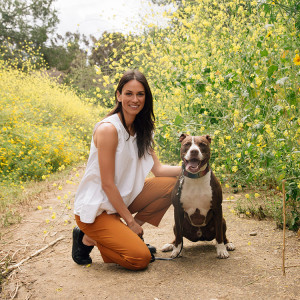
<point x="114" y="185"/>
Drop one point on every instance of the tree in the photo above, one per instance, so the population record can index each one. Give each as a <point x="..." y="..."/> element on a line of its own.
<point x="62" y="50"/>
<point x="109" y="47"/>
<point x="27" y="20"/>
<point x="291" y="9"/>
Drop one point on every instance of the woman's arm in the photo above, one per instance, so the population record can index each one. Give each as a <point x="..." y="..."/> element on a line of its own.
<point x="160" y="170"/>
<point x="106" y="141"/>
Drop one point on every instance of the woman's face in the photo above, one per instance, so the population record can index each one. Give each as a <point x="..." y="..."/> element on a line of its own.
<point x="132" y="97"/>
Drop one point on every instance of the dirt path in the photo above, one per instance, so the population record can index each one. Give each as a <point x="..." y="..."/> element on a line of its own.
<point x="253" y="270"/>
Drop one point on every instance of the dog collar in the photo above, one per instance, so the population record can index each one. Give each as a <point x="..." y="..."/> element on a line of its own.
<point x="194" y="176"/>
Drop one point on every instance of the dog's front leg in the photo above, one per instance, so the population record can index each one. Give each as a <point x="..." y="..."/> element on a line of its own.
<point x="178" y="216"/>
<point x="220" y="246"/>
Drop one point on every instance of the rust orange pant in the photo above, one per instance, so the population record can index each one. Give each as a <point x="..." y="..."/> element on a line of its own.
<point x="119" y="244"/>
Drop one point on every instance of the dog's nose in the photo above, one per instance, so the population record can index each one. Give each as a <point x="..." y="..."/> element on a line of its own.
<point x="194" y="152"/>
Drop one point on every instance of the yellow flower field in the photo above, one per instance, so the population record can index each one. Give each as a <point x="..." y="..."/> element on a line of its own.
<point x="44" y="127"/>
<point x="229" y="69"/>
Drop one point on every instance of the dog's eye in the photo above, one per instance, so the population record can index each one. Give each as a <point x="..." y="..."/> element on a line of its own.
<point x="187" y="144"/>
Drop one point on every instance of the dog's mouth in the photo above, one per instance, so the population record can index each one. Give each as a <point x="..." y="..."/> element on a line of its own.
<point x="192" y="165"/>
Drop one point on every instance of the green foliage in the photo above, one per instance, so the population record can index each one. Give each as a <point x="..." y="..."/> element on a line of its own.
<point x="63" y="50"/>
<point x="27" y="20"/>
<point x="66" y="54"/>
<point x="222" y="68"/>
<point x="288" y="9"/>
<point x="293" y="199"/>
<point x="225" y="68"/>
<point x="25" y="57"/>
<point x="44" y="127"/>
<point x="105" y="47"/>
<point x="81" y="76"/>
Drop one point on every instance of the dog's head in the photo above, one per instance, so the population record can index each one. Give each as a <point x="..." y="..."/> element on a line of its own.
<point x="195" y="152"/>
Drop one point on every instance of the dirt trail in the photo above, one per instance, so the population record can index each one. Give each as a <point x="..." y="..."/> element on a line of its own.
<point x="253" y="270"/>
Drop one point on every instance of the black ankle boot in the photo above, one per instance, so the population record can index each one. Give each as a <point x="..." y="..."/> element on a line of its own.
<point x="80" y="252"/>
<point x="152" y="250"/>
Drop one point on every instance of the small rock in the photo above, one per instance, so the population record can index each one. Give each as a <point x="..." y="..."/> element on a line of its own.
<point x="254" y="233"/>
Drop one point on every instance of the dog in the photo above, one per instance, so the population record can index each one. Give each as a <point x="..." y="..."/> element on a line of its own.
<point x="197" y="199"/>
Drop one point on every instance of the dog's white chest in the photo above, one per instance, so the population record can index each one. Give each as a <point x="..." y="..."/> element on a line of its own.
<point x="197" y="193"/>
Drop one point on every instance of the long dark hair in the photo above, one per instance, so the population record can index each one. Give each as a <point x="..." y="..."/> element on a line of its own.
<point x="144" y="121"/>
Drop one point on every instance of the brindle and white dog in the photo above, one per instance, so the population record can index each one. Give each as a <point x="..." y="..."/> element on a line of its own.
<point x="197" y="199"/>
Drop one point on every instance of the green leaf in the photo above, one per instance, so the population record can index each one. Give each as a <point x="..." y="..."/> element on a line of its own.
<point x="259" y="44"/>
<point x="264" y="53"/>
<point x="178" y="120"/>
<point x="271" y="70"/>
<point x="281" y="177"/>
<point x="200" y="86"/>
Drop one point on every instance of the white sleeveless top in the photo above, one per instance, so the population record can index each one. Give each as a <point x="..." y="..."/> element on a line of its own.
<point x="130" y="175"/>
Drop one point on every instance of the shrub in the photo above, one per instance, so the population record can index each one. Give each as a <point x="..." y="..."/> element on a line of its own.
<point x="226" y="68"/>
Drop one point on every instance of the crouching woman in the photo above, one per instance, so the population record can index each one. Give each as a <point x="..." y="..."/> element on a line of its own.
<point x="114" y="198"/>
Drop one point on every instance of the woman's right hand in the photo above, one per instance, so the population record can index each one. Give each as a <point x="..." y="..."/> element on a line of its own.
<point x="136" y="228"/>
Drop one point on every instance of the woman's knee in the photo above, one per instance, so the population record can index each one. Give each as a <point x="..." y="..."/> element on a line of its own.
<point x="137" y="258"/>
<point x="139" y="261"/>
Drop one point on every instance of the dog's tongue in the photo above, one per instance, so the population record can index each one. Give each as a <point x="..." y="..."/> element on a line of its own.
<point x="192" y="164"/>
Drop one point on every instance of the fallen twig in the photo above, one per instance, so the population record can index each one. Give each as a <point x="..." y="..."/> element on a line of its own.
<point x="10" y="268"/>
<point x="12" y="257"/>
<point x="45" y="236"/>
<point x="2" y="260"/>
<point x="28" y="297"/>
<point x="284" y="225"/>
<point x="16" y="292"/>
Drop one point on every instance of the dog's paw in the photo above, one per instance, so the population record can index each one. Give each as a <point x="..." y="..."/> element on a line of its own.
<point x="230" y="246"/>
<point x="176" y="251"/>
<point x="221" y="251"/>
<point x="167" y="247"/>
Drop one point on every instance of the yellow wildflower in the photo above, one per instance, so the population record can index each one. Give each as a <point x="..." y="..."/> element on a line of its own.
<point x="234" y="169"/>
<point x="297" y="60"/>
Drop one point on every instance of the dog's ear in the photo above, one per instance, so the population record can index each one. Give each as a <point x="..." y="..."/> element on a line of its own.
<point x="182" y="137"/>
<point x="208" y="138"/>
